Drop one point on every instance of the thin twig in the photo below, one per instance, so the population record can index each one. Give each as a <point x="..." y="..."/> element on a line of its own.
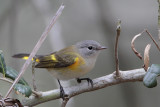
<point x="34" y="51"/>
<point x="116" y="47"/>
<point x="153" y="40"/>
<point x="33" y="75"/>
<point x="158" y="19"/>
<point x="7" y="80"/>
<point x="64" y="103"/>
<point x="98" y="83"/>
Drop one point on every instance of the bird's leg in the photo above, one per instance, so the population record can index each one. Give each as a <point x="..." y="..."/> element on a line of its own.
<point x="62" y="93"/>
<point x="88" y="80"/>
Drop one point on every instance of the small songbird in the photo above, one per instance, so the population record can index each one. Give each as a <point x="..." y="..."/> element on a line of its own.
<point x="68" y="63"/>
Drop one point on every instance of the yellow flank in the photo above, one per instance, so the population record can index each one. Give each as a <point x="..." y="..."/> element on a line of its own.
<point x="53" y="57"/>
<point x="26" y="57"/>
<point x="77" y="63"/>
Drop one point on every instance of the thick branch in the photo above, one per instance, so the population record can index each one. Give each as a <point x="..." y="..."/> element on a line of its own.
<point x="98" y="83"/>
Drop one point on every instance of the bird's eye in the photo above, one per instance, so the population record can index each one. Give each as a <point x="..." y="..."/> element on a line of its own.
<point x="90" y="47"/>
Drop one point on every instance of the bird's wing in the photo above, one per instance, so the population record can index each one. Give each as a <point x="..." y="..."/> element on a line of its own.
<point x="56" y="60"/>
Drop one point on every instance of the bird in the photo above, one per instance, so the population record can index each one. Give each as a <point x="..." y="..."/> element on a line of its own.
<point x="72" y="62"/>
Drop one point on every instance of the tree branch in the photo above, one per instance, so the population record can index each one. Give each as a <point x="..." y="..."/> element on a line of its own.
<point x="98" y="83"/>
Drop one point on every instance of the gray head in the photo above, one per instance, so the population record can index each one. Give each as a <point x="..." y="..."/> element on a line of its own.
<point x="89" y="48"/>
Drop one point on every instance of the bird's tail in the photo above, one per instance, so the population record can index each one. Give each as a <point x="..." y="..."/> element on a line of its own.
<point x="24" y="56"/>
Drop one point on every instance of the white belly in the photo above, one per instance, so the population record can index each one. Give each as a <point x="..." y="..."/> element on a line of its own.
<point x="66" y="73"/>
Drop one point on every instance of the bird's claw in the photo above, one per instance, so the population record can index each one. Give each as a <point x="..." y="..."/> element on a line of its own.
<point x="88" y="80"/>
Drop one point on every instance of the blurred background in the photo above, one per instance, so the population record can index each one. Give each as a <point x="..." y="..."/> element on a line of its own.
<point x="23" y="21"/>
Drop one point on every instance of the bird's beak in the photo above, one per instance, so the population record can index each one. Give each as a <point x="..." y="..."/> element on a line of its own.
<point x="101" y="48"/>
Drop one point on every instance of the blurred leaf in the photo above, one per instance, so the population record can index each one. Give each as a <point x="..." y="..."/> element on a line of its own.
<point x="22" y="86"/>
<point x="12" y="74"/>
<point x="23" y="89"/>
<point x="149" y="79"/>
<point x="8" y="72"/>
<point x="2" y="64"/>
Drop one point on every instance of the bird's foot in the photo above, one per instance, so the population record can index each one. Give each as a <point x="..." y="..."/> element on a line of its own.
<point x="88" y="80"/>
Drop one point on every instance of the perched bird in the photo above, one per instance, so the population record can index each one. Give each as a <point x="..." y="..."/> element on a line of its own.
<point x="68" y="63"/>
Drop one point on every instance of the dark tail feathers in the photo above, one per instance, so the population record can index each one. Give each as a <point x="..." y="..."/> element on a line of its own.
<point x="20" y="55"/>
